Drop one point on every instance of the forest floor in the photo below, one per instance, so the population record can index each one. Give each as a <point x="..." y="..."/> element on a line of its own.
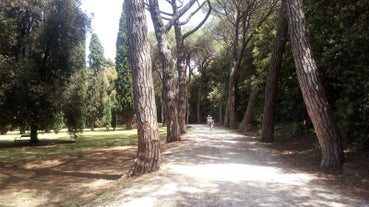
<point x="216" y="167"/>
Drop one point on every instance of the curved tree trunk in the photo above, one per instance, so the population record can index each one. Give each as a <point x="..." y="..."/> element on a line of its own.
<point x="169" y="87"/>
<point x="267" y="128"/>
<point x="313" y="93"/>
<point x="250" y="110"/>
<point x="148" y="152"/>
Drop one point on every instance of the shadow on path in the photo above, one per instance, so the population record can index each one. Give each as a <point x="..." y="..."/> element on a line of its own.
<point x="220" y="167"/>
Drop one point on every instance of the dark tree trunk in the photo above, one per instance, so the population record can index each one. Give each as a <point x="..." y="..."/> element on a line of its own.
<point x="250" y="110"/>
<point x="182" y="85"/>
<point x="34" y="134"/>
<point x="316" y="103"/>
<point x="220" y="119"/>
<point x="148" y="152"/>
<point x="233" y="76"/>
<point x="129" y="120"/>
<point x="169" y="87"/>
<point x="198" y="103"/>
<point x="163" y="110"/>
<point x="267" y="128"/>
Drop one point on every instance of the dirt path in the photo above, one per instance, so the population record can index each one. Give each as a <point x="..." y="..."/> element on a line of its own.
<point x="223" y="168"/>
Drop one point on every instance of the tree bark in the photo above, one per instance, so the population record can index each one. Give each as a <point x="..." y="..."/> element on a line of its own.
<point x="231" y="120"/>
<point x="182" y="85"/>
<point x="148" y="152"/>
<point x="313" y="93"/>
<point x="250" y="110"/>
<point x="169" y="87"/>
<point x="129" y="120"/>
<point x="267" y="128"/>
<point x="198" y="103"/>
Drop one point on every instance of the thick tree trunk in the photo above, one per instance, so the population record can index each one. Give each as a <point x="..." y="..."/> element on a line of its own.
<point x="232" y="96"/>
<point x="129" y="120"/>
<point x="313" y="93"/>
<point x="169" y="87"/>
<point x="148" y="152"/>
<point x="182" y="85"/>
<point x="250" y="110"/>
<point x="267" y="128"/>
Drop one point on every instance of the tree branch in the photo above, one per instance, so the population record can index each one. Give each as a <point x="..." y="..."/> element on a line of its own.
<point x="202" y="22"/>
<point x="179" y="14"/>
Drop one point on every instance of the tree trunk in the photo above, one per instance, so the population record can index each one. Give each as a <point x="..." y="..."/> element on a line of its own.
<point x="182" y="85"/>
<point x="129" y="120"/>
<point x="163" y="110"/>
<point x="169" y="87"/>
<point x="233" y="76"/>
<point x="250" y="110"/>
<point x="198" y="104"/>
<point x="267" y="128"/>
<point x="313" y="93"/>
<point x="220" y="119"/>
<point x="34" y="134"/>
<point x="148" y="152"/>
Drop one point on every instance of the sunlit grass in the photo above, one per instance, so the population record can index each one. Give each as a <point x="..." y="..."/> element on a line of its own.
<point x="62" y="144"/>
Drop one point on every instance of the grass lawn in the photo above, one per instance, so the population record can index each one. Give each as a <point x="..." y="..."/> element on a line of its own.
<point x="62" y="171"/>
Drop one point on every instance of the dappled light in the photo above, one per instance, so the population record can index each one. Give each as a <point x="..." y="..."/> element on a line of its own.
<point x="238" y="172"/>
<point x="61" y="172"/>
<point x="221" y="168"/>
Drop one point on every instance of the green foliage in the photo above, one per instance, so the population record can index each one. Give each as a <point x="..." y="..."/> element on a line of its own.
<point x="100" y="88"/>
<point x="341" y="50"/>
<point x="96" y="57"/>
<point x="74" y="107"/>
<point x="40" y="51"/>
<point x="124" y="83"/>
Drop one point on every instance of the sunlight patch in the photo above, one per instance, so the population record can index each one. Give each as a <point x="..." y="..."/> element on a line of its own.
<point x="96" y="184"/>
<point x="43" y="164"/>
<point x="241" y="172"/>
<point x="145" y="201"/>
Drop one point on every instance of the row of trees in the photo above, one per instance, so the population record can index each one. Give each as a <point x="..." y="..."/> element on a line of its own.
<point x="45" y="83"/>
<point x="41" y="60"/>
<point x="240" y="37"/>
<point x="247" y="65"/>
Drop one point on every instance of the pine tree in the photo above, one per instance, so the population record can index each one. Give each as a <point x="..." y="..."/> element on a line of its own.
<point x="124" y="84"/>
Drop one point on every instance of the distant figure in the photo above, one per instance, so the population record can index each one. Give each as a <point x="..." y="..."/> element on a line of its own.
<point x="210" y="121"/>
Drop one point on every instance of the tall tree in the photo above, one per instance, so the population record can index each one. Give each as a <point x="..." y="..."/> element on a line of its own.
<point x="267" y="129"/>
<point x="250" y="110"/>
<point x="148" y="152"/>
<point x="314" y="96"/>
<point x="124" y="84"/>
<point x="181" y="57"/>
<point x="244" y="17"/>
<point x="169" y="87"/>
<point x="96" y="57"/>
<point x="44" y="54"/>
<point x="96" y="60"/>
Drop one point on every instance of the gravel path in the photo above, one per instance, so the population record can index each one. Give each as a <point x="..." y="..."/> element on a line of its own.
<point x="222" y="168"/>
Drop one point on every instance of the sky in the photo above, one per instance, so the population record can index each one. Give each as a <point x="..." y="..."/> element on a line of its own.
<point x="105" y="22"/>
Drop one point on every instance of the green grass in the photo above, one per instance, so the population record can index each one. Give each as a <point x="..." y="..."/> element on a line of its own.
<point x="52" y="145"/>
